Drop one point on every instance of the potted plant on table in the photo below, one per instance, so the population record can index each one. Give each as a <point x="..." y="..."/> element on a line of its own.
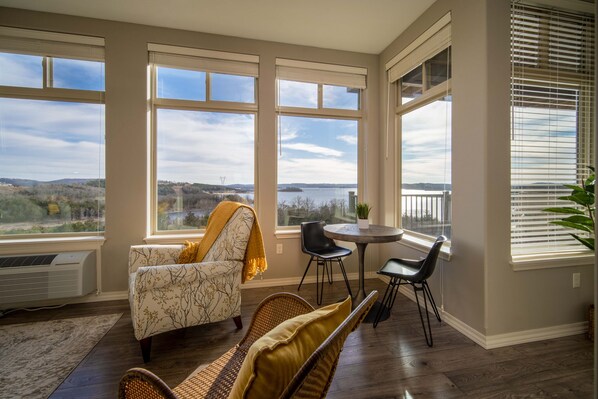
<point x="581" y="217"/>
<point x="363" y="212"/>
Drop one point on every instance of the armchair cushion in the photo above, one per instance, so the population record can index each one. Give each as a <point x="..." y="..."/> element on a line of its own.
<point x="274" y="359"/>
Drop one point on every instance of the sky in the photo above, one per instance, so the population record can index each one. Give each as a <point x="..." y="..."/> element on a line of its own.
<point x="49" y="140"/>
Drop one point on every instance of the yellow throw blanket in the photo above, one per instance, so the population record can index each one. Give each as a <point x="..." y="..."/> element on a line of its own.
<point x="255" y="255"/>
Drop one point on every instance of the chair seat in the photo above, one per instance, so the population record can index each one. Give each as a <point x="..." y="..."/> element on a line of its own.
<point x="398" y="268"/>
<point x="330" y="252"/>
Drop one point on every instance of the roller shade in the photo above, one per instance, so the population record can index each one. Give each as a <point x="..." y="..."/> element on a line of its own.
<point x="328" y="74"/>
<point x="431" y="42"/>
<point x="24" y="41"/>
<point x="552" y="120"/>
<point x="204" y="60"/>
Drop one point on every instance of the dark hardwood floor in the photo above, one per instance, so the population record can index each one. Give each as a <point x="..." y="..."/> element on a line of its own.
<point x="391" y="361"/>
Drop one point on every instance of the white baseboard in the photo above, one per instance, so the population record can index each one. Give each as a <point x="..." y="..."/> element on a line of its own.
<point x="501" y="340"/>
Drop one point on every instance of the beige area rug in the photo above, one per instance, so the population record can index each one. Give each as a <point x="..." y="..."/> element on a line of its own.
<point x="36" y="357"/>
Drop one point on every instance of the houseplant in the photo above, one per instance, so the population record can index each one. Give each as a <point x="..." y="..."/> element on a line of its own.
<point x="363" y="212"/>
<point x="580" y="217"/>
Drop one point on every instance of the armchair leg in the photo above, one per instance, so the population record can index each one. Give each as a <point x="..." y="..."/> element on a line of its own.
<point x="146" y="348"/>
<point x="238" y="322"/>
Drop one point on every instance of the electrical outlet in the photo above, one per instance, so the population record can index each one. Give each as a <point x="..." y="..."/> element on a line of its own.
<point x="278" y="249"/>
<point x="576" y="280"/>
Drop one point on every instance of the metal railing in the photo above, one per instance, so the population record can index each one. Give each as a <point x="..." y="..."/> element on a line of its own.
<point x="427" y="213"/>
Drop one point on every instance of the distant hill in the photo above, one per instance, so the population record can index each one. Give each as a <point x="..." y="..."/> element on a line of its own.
<point x="31" y="183"/>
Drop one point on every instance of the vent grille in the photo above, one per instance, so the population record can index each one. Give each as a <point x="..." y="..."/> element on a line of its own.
<point x="27" y="260"/>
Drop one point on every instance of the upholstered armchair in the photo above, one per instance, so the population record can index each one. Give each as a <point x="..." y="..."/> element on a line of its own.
<point x="165" y="296"/>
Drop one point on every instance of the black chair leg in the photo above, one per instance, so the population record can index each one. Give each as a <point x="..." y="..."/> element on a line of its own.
<point x="328" y="264"/>
<point x="431" y="298"/>
<point x="342" y="266"/>
<point x="305" y="273"/>
<point x="320" y="284"/>
<point x="428" y="331"/>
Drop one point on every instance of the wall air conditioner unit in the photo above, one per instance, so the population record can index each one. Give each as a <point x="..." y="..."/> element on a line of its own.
<point x="25" y="278"/>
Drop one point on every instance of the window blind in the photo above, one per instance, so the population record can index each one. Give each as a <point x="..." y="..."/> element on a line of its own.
<point x="314" y="72"/>
<point x="204" y="60"/>
<point x="552" y="103"/>
<point x="51" y="44"/>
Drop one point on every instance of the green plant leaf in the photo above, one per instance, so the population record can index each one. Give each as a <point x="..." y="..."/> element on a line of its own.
<point x="580" y="197"/>
<point x="565" y="209"/>
<point x="574" y="188"/>
<point x="570" y="225"/>
<point x="581" y="219"/>
<point x="588" y="242"/>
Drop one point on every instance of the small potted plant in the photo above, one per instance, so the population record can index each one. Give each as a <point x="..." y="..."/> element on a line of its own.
<point x="363" y="212"/>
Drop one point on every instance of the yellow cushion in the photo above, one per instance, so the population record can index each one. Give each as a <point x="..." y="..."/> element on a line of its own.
<point x="275" y="358"/>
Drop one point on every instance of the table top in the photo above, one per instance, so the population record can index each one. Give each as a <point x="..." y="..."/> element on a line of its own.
<point x="352" y="233"/>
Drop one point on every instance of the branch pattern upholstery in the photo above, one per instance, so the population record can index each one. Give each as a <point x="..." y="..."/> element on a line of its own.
<point x="166" y="296"/>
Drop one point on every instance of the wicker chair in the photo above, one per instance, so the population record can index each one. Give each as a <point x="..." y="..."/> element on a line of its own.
<point x="216" y="380"/>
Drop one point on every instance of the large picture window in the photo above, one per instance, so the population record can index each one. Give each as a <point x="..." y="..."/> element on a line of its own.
<point x="552" y="111"/>
<point x="319" y="117"/>
<point x="203" y="127"/>
<point x="421" y="79"/>
<point x="51" y="133"/>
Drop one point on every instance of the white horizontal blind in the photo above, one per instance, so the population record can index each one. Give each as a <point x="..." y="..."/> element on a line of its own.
<point x="51" y="44"/>
<point x="204" y="60"/>
<point x="313" y="72"/>
<point x="552" y="103"/>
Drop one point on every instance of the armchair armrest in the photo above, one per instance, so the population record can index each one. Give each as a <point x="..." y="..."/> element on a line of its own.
<point x="271" y="312"/>
<point x="155" y="277"/>
<point x="153" y="255"/>
<point x="139" y="383"/>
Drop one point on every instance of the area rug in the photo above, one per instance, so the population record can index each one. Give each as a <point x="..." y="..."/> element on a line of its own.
<point x="36" y="357"/>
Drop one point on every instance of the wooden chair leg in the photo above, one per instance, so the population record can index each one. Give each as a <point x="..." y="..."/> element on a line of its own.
<point x="238" y="322"/>
<point x="146" y="348"/>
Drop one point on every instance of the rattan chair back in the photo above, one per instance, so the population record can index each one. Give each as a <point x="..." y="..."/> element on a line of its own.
<point x="314" y="378"/>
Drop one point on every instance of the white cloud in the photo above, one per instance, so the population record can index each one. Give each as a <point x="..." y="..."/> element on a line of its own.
<point x="312" y="148"/>
<point x="349" y="139"/>
<point x="316" y="170"/>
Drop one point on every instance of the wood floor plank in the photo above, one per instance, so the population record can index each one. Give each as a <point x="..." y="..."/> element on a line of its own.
<point x="390" y="361"/>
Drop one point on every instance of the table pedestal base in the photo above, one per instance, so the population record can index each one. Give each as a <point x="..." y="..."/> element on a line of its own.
<point x="371" y="316"/>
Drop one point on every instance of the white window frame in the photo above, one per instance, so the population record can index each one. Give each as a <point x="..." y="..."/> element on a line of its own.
<point x="434" y="40"/>
<point x="549" y="75"/>
<point x="321" y="74"/>
<point x="208" y="61"/>
<point x="51" y="45"/>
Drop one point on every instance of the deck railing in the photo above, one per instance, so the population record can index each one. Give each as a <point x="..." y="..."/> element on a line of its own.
<point x="427" y="213"/>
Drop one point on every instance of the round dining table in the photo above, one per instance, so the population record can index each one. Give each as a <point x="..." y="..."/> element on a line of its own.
<point x="362" y="237"/>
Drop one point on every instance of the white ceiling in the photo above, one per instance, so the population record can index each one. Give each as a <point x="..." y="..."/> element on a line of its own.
<point x="366" y="26"/>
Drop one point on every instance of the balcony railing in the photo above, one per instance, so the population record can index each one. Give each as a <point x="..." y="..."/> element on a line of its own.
<point x="428" y="214"/>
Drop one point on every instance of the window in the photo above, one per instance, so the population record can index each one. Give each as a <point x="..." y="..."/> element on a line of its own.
<point x="421" y="79"/>
<point x="319" y="118"/>
<point x="204" y="115"/>
<point x="51" y="133"/>
<point x="552" y="103"/>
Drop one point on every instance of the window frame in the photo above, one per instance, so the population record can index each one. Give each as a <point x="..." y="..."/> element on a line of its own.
<point x="155" y="103"/>
<point x="320" y="112"/>
<point x="548" y="76"/>
<point x="50" y="45"/>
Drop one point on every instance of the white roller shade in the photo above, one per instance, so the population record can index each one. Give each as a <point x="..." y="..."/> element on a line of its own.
<point x="204" y="60"/>
<point x="437" y="38"/>
<point x="51" y="44"/>
<point x="313" y="72"/>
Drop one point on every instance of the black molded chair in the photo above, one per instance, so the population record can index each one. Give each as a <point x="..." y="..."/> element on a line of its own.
<point x="325" y="251"/>
<point x="415" y="273"/>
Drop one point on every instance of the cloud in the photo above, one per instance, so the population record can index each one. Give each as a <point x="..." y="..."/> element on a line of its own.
<point x="312" y="148"/>
<point x="298" y="94"/>
<point x="349" y="139"/>
<point x="317" y="170"/>
<point x="20" y="70"/>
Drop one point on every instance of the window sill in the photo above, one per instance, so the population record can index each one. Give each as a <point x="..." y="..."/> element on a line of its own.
<point x="50" y="244"/>
<point x="424" y="245"/>
<point x="545" y="261"/>
<point x="284" y="234"/>
<point x="172" y="238"/>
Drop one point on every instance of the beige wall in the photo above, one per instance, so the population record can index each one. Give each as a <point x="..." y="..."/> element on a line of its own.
<point x="478" y="286"/>
<point x="127" y="136"/>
